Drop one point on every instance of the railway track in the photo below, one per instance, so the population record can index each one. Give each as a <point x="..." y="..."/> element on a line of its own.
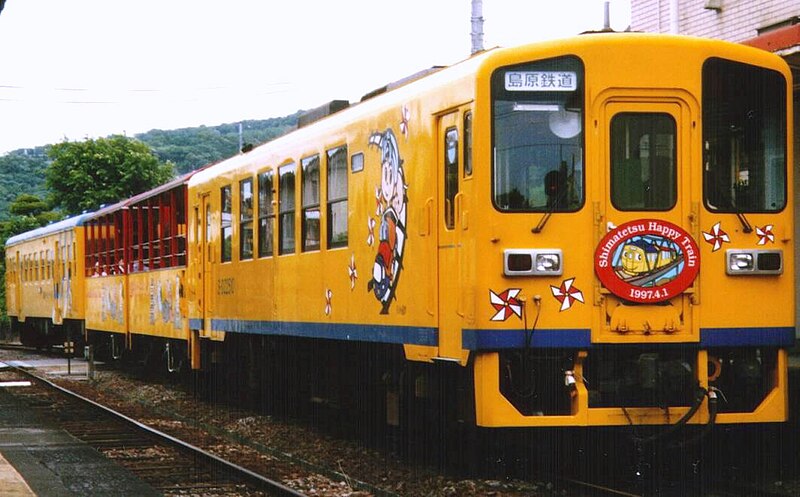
<point x="223" y="438"/>
<point x="168" y="464"/>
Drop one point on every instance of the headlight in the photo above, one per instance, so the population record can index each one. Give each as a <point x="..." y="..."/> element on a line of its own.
<point x="740" y="261"/>
<point x="747" y="262"/>
<point x="532" y="262"/>
<point x="548" y="263"/>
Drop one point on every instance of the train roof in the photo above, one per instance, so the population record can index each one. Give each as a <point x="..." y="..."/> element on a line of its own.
<point x="381" y="98"/>
<point x="124" y="204"/>
<point x="64" y="225"/>
<point x="404" y="89"/>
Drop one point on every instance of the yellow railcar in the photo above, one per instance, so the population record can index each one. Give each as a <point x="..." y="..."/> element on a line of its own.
<point x="571" y="233"/>
<point x="135" y="265"/>
<point x="44" y="283"/>
<point x="477" y="216"/>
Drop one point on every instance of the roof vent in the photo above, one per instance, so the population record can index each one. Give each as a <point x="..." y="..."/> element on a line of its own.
<point x="318" y="113"/>
<point x="401" y="82"/>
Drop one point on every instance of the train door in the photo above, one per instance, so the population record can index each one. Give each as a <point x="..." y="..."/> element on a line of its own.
<point x="647" y="253"/>
<point x="449" y="236"/>
<point x="57" y="286"/>
<point x="206" y="263"/>
<point x="18" y="286"/>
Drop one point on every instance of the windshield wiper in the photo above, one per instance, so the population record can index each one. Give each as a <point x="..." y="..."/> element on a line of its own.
<point x="540" y="226"/>
<point x="745" y="224"/>
<point x="746" y="227"/>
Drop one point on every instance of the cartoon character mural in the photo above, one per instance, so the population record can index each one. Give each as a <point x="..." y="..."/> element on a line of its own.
<point x="390" y="211"/>
<point x="111" y="303"/>
<point x="643" y="256"/>
<point x="164" y="298"/>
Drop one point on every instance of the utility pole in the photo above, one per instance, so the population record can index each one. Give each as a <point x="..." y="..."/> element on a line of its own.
<point x="477" y="26"/>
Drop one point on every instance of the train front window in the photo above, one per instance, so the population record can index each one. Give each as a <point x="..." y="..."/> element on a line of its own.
<point x="744" y="137"/>
<point x="643" y="161"/>
<point x="537" y="136"/>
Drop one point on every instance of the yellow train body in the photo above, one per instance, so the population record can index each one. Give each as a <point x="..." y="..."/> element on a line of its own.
<point x="135" y="266"/>
<point x="44" y="283"/>
<point x="477" y="216"/>
<point x="424" y="261"/>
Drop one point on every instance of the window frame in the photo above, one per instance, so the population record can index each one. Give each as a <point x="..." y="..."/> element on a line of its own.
<point x="563" y="63"/>
<point x="311" y="215"/>
<point x="467" y="144"/>
<point x="226" y="224"/>
<point x="736" y="73"/>
<point x="286" y="213"/>
<point x="452" y="174"/>
<point x="335" y="200"/>
<point x="615" y="193"/>
<point x="246" y="220"/>
<point x="266" y="213"/>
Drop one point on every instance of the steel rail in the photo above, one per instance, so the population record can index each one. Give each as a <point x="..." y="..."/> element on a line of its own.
<point x="270" y="486"/>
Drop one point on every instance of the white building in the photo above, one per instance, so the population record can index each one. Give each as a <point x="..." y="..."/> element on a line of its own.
<point x="772" y="25"/>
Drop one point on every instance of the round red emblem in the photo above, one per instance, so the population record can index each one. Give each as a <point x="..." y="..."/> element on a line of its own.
<point x="647" y="260"/>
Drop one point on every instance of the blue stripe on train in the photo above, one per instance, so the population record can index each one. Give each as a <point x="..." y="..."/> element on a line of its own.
<point x="581" y="338"/>
<point x="732" y="337"/>
<point x="487" y="339"/>
<point x="516" y="339"/>
<point x="415" y="335"/>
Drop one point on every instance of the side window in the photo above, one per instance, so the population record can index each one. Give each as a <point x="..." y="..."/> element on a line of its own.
<point x="450" y="175"/>
<point x="311" y="224"/>
<point x="246" y="219"/>
<point x="226" y="203"/>
<point x="643" y="161"/>
<point x="337" y="197"/>
<point x="286" y="208"/>
<point x="357" y="162"/>
<point x="266" y="214"/>
<point x="467" y="144"/>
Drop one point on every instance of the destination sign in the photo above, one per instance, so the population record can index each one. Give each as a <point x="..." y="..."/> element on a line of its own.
<point x="541" y="81"/>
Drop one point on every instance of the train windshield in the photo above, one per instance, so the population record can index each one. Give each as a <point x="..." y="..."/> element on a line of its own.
<point x="537" y="135"/>
<point x="744" y="137"/>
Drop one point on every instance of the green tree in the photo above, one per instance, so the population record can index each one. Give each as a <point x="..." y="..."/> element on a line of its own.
<point x="27" y="205"/>
<point x="85" y="175"/>
<point x="21" y="172"/>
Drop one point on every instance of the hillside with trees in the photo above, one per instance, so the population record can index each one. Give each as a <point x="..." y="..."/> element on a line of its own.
<point x="34" y="181"/>
<point x="23" y="171"/>
<point x="191" y="148"/>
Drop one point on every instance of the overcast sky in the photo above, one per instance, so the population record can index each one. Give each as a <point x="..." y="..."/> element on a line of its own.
<point x="72" y="69"/>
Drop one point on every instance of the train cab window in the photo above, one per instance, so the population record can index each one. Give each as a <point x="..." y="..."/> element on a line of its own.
<point x="246" y="219"/>
<point x="643" y="161"/>
<point x="310" y="199"/>
<point x="450" y="175"/>
<point x="286" y="207"/>
<point x="337" y="197"/>
<point x="537" y="136"/>
<point x="226" y="234"/>
<point x="467" y="144"/>
<point x="266" y="214"/>
<point x="744" y="137"/>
